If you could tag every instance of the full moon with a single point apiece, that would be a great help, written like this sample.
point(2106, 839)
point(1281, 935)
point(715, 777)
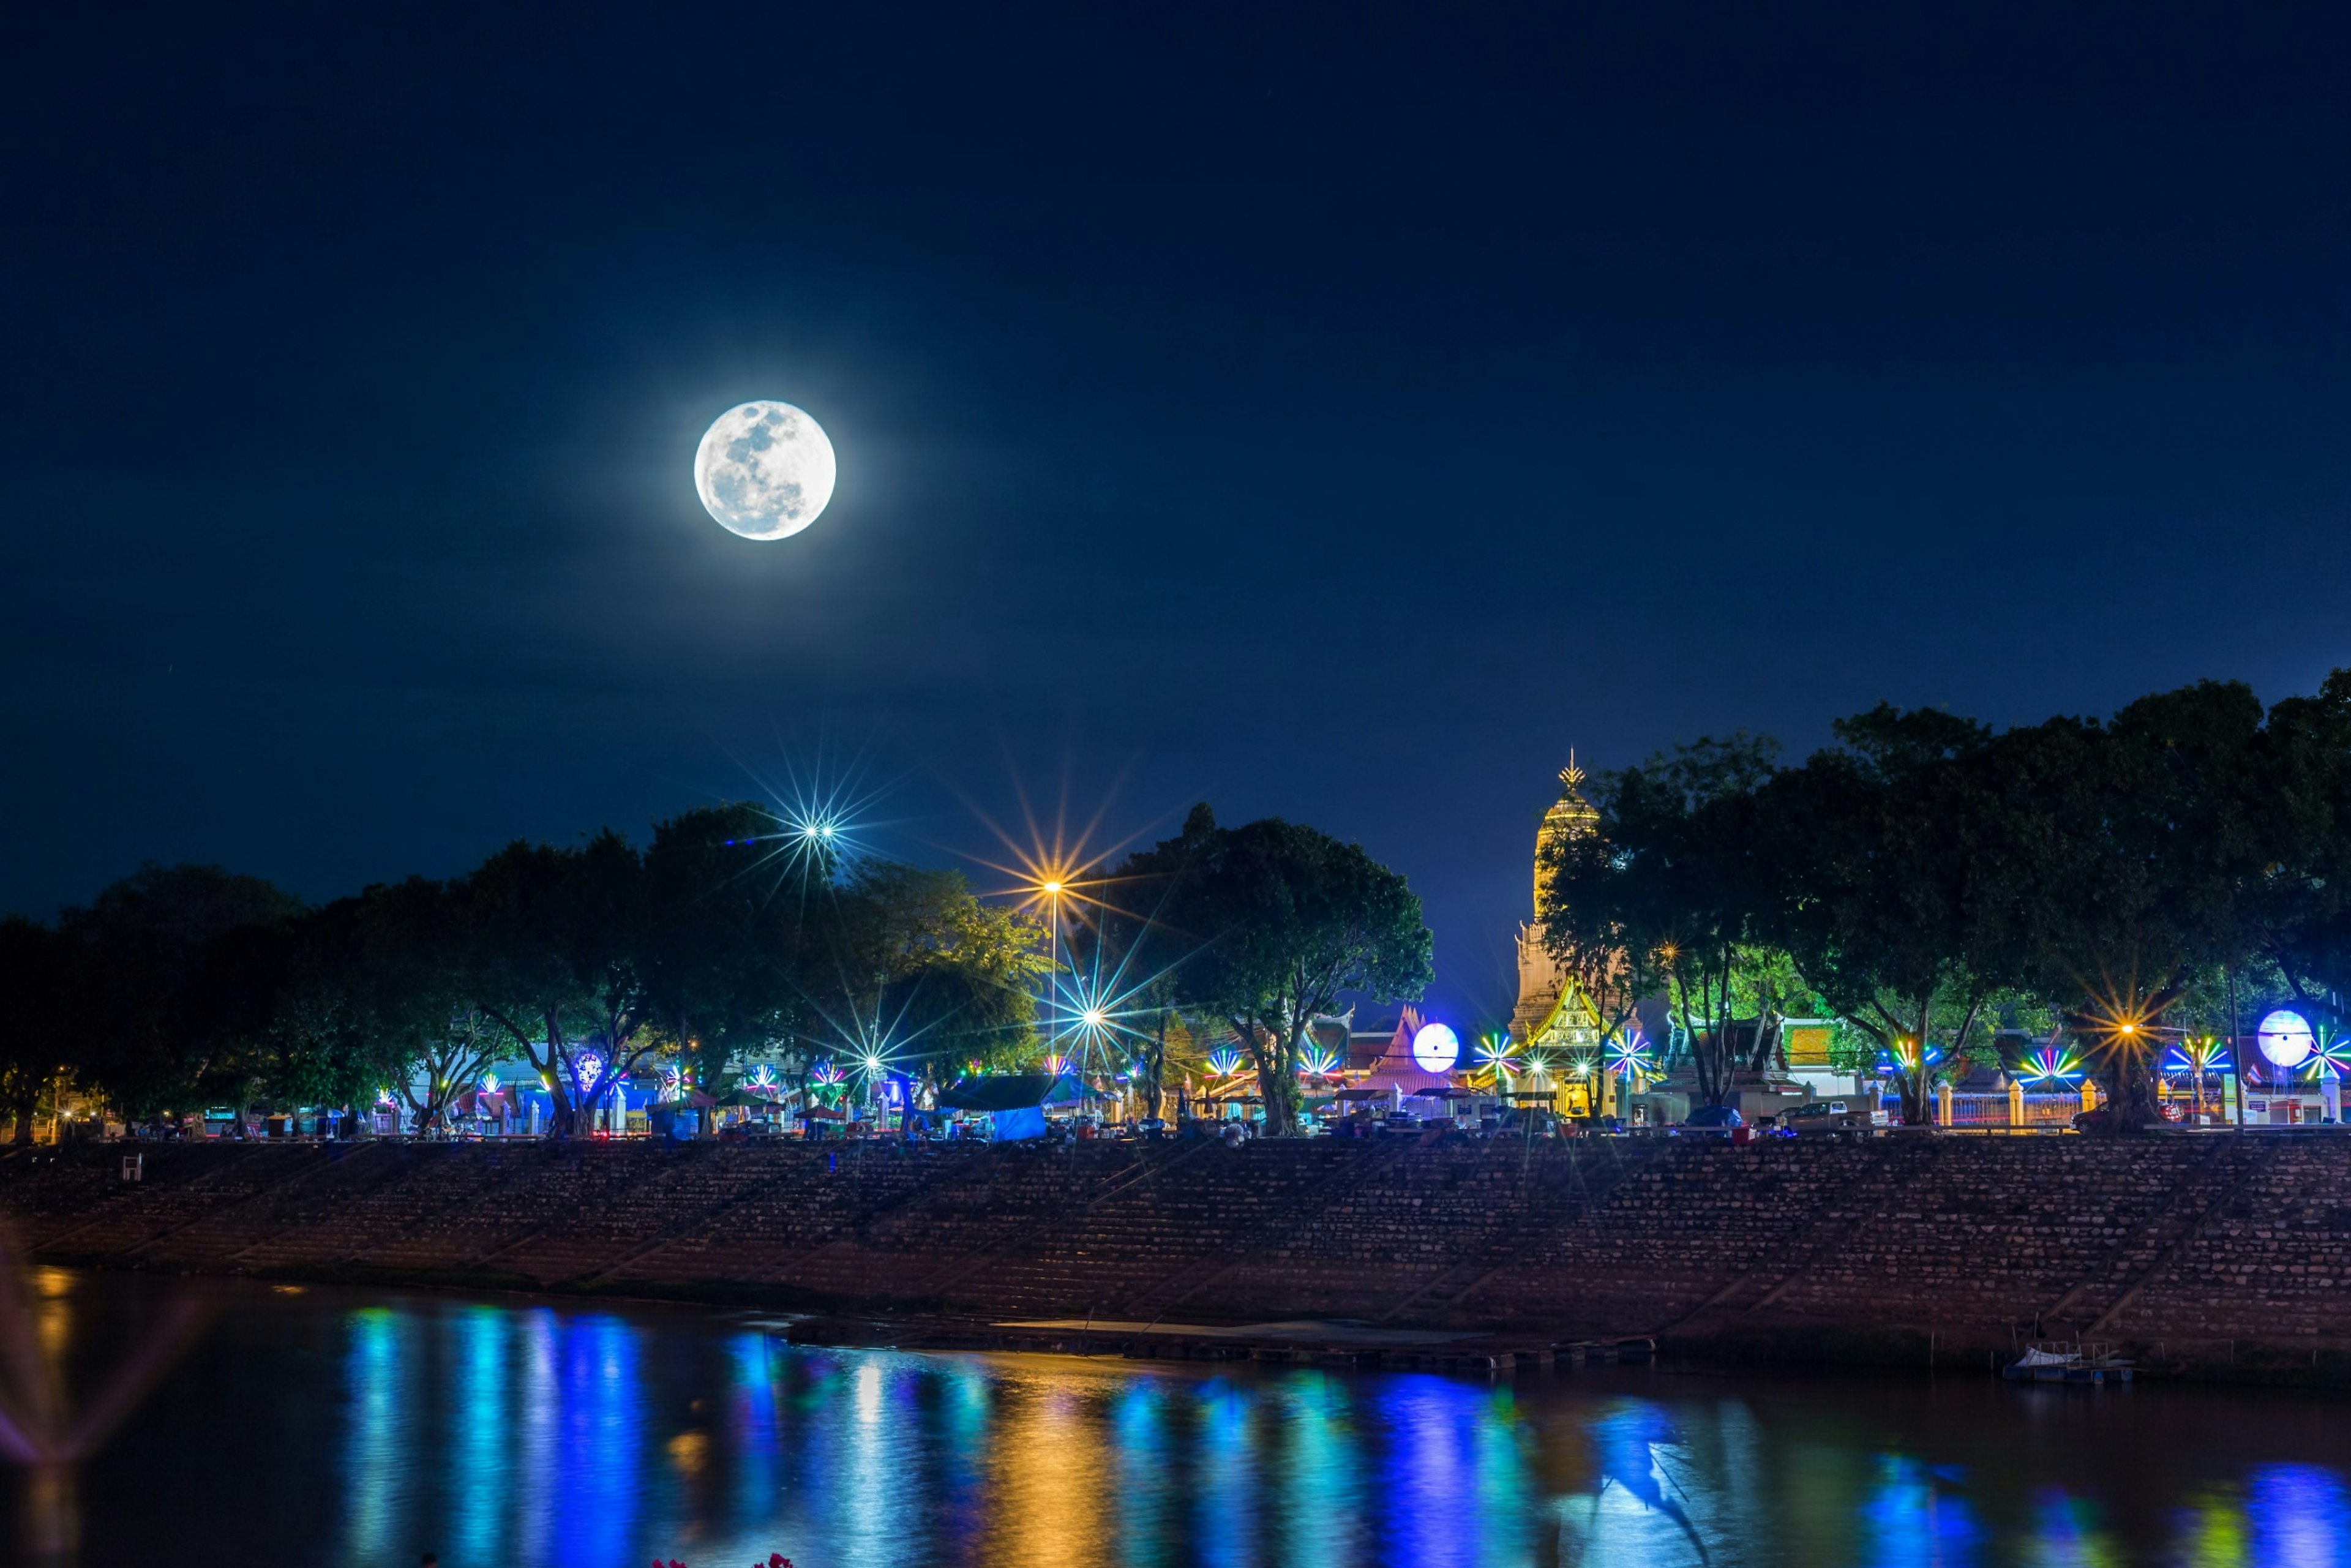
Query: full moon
point(764, 470)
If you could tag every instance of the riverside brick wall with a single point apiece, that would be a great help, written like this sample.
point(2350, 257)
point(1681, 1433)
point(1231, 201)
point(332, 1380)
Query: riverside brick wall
point(2208, 1250)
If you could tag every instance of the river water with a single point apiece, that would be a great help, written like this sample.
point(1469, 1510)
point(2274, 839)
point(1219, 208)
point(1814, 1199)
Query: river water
point(336, 1427)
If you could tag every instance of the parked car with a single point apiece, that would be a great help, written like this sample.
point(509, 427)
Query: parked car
point(1833, 1119)
point(2098, 1121)
point(1711, 1122)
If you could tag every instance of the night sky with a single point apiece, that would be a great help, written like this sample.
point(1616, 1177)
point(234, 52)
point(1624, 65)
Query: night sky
point(1337, 414)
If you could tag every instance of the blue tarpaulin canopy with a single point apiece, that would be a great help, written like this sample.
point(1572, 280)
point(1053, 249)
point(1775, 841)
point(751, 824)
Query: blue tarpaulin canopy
point(1015, 1101)
point(1011, 1092)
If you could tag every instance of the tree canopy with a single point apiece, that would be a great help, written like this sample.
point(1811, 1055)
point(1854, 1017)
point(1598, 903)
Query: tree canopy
point(1284, 920)
point(721, 939)
point(1925, 872)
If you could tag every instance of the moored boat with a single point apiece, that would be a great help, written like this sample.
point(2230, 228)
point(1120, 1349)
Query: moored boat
point(2067, 1361)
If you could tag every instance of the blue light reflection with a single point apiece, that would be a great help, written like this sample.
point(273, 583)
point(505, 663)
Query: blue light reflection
point(538, 1436)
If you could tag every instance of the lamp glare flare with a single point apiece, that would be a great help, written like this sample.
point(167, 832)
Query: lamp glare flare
point(818, 820)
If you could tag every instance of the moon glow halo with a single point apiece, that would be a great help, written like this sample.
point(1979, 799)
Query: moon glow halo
point(765, 470)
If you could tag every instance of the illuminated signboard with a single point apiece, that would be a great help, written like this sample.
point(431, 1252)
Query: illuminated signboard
point(2285, 1038)
point(1435, 1047)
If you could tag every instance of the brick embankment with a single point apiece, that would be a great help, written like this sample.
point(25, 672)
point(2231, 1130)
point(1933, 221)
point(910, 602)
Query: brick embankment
point(2223, 1255)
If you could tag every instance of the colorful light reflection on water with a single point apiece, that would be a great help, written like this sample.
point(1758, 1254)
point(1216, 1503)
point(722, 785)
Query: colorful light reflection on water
point(353, 1429)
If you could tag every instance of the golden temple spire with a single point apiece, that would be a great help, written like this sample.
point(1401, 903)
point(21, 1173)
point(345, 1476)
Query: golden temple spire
point(1570, 815)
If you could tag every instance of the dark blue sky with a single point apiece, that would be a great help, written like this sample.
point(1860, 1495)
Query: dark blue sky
point(1334, 413)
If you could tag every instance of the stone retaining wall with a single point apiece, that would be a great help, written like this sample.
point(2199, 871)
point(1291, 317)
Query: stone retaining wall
point(2212, 1252)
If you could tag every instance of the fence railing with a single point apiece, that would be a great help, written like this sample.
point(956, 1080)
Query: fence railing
point(1999, 1111)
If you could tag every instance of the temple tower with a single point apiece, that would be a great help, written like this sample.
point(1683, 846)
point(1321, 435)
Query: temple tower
point(1536, 1019)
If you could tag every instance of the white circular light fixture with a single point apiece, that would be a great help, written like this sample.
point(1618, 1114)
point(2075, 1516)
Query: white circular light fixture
point(1435, 1047)
point(2285, 1038)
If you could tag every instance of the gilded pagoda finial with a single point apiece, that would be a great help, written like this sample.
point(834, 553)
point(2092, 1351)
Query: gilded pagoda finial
point(1568, 815)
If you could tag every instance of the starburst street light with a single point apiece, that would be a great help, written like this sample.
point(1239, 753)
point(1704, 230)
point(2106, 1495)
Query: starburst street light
point(1109, 1027)
point(1055, 879)
point(2114, 1025)
point(820, 809)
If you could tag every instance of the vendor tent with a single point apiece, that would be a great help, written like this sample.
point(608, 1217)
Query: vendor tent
point(1015, 1101)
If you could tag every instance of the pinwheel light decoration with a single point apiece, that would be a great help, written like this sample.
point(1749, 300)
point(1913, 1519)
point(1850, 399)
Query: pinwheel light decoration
point(1628, 1057)
point(2050, 1065)
point(2197, 1058)
point(1498, 1056)
point(1225, 1062)
point(2331, 1055)
point(1905, 1056)
point(1319, 1061)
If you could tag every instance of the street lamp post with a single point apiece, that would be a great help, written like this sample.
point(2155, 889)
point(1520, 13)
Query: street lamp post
point(1052, 889)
